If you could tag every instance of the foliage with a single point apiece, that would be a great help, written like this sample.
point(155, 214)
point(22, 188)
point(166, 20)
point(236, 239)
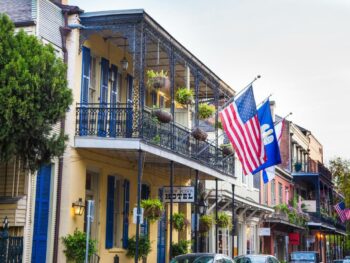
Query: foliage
point(223, 220)
point(156, 139)
point(282, 207)
point(144, 247)
point(205, 110)
point(184, 96)
point(156, 78)
point(181, 248)
point(75, 246)
point(180, 221)
point(205, 223)
point(33, 97)
point(153, 209)
point(294, 216)
point(340, 169)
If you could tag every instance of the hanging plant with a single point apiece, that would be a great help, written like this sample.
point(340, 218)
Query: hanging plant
point(180, 248)
point(180, 221)
point(223, 221)
point(199, 134)
point(184, 96)
point(227, 149)
point(144, 247)
point(205, 111)
point(205, 223)
point(157, 79)
point(162, 115)
point(152, 209)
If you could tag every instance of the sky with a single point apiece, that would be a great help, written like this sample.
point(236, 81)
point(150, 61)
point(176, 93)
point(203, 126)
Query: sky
point(301, 48)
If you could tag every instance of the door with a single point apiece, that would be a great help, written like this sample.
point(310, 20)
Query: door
point(103, 110)
point(161, 239)
point(41, 215)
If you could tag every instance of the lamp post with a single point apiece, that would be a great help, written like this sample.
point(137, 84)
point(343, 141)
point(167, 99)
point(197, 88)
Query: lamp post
point(202, 208)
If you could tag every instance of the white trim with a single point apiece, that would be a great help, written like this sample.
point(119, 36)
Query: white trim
point(137, 144)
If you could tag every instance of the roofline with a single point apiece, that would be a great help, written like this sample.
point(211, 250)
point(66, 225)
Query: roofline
point(163, 31)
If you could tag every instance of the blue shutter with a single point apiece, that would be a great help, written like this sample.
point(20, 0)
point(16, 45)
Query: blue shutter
point(41, 215)
point(161, 242)
point(110, 212)
point(113, 109)
point(130, 108)
point(126, 213)
point(84, 94)
point(103, 112)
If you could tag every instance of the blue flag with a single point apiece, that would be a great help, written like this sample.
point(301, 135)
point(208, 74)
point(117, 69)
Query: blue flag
point(269, 137)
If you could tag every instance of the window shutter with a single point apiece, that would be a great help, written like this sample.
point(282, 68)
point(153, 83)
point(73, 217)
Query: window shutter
point(126, 213)
point(113, 100)
point(110, 212)
point(84, 93)
point(103, 112)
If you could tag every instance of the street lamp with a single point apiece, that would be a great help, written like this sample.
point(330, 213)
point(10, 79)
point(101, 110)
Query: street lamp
point(202, 206)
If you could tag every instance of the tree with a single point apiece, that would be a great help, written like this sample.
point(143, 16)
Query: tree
point(340, 169)
point(34, 96)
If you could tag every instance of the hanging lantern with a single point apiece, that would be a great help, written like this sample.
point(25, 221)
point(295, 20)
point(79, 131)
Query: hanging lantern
point(124, 62)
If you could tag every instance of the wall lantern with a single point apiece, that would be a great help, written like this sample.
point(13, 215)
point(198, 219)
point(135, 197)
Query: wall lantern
point(124, 62)
point(202, 206)
point(78, 207)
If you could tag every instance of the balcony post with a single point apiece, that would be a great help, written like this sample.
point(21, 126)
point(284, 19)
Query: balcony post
point(196, 212)
point(233, 221)
point(139, 178)
point(172, 94)
point(171, 208)
point(196, 90)
point(317, 190)
point(216, 214)
point(143, 41)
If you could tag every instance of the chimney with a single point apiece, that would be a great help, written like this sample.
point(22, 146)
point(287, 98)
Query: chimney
point(62, 2)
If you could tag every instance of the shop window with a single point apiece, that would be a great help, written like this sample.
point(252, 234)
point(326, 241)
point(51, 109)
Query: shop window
point(117, 214)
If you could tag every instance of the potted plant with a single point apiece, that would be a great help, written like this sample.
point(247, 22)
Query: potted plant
point(180, 248)
point(152, 209)
point(180, 221)
point(162, 115)
point(227, 149)
point(199, 134)
point(75, 246)
point(205, 111)
point(184, 96)
point(205, 223)
point(144, 248)
point(223, 220)
point(157, 79)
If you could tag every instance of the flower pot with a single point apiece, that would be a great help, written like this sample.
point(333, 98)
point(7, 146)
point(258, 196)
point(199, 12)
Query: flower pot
point(227, 150)
point(199, 134)
point(204, 228)
point(160, 82)
point(163, 116)
point(152, 213)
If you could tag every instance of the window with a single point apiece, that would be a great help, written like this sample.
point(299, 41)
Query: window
point(273, 192)
point(266, 194)
point(280, 194)
point(117, 212)
point(93, 83)
point(256, 180)
point(244, 178)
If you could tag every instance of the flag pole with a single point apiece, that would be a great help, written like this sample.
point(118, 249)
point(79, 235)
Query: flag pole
point(239, 92)
point(285, 117)
point(263, 101)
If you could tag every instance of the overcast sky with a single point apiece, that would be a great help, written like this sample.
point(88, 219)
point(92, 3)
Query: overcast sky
point(300, 47)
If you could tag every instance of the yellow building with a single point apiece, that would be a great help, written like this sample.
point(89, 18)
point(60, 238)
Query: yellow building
point(118, 146)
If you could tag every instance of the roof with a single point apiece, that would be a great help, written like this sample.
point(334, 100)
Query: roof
point(140, 14)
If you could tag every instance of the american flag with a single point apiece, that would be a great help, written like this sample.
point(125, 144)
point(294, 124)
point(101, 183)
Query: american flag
point(340, 208)
point(241, 124)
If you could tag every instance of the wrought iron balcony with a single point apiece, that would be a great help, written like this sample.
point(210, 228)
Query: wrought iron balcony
point(120, 121)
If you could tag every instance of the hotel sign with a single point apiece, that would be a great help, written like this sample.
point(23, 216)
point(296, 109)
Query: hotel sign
point(181, 194)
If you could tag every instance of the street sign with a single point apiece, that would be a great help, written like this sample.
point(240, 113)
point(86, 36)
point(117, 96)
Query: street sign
point(264, 231)
point(134, 216)
point(181, 194)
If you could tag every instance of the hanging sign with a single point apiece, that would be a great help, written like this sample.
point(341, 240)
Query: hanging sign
point(264, 231)
point(294, 239)
point(309, 205)
point(181, 194)
point(134, 216)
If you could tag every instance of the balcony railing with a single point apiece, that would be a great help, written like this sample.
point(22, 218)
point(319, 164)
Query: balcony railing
point(118, 121)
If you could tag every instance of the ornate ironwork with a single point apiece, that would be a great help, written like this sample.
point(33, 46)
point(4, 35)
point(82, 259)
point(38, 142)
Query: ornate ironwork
point(11, 248)
point(115, 121)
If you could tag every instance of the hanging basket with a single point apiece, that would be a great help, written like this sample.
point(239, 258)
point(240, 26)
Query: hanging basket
point(152, 209)
point(205, 223)
point(199, 134)
point(227, 150)
point(163, 116)
point(160, 82)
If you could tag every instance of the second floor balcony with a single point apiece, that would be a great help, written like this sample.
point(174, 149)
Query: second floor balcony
point(118, 122)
